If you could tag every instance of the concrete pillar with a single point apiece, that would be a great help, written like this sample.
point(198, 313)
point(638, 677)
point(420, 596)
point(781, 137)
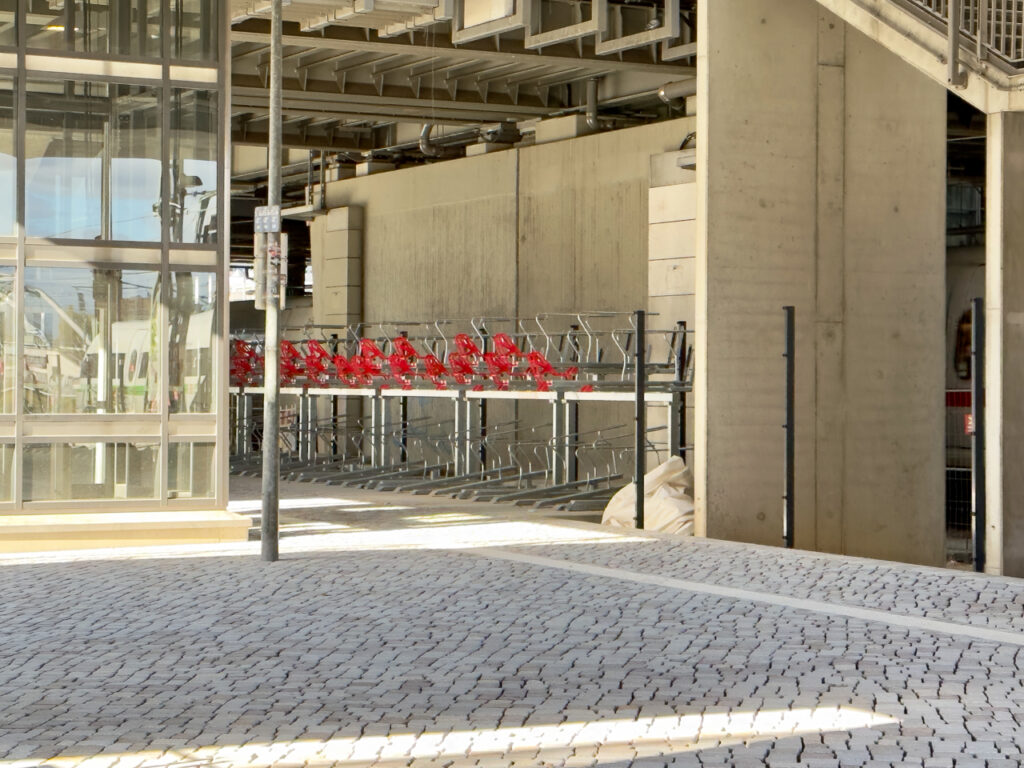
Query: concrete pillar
point(820, 184)
point(1004, 305)
point(336, 251)
point(336, 245)
point(671, 257)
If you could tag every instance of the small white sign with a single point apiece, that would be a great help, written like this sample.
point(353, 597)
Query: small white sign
point(267, 219)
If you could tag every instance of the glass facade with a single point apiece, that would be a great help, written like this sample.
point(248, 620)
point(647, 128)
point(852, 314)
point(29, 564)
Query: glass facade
point(190, 470)
point(94, 174)
point(194, 166)
point(191, 323)
point(194, 26)
point(112, 254)
point(87, 471)
point(8, 163)
point(91, 340)
point(130, 28)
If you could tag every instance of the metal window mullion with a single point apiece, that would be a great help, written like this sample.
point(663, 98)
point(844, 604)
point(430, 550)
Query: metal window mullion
point(221, 342)
point(165, 283)
point(19, 123)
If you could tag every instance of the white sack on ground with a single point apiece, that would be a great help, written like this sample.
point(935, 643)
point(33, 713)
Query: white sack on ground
point(668, 507)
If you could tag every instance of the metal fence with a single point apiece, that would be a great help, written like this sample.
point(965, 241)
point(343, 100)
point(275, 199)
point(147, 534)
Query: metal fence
point(994, 26)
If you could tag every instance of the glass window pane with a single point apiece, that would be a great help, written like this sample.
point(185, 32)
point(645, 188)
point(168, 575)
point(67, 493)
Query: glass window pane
point(194, 166)
point(8, 166)
point(192, 319)
point(8, 348)
point(78, 471)
point(190, 470)
point(92, 162)
point(8, 27)
point(91, 341)
point(7, 472)
point(194, 30)
point(118, 27)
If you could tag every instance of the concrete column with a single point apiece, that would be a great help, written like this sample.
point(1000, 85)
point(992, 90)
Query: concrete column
point(1004, 305)
point(820, 184)
point(336, 251)
point(671, 257)
point(336, 244)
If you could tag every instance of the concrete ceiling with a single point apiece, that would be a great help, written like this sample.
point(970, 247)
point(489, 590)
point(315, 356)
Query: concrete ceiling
point(359, 75)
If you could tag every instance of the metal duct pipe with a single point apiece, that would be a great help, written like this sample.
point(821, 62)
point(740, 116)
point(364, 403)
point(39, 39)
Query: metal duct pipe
point(426, 147)
point(677, 91)
point(592, 99)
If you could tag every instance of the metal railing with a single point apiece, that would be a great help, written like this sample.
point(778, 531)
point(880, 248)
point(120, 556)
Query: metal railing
point(986, 26)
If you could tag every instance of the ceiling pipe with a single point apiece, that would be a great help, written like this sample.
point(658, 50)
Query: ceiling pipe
point(426, 146)
point(592, 100)
point(673, 93)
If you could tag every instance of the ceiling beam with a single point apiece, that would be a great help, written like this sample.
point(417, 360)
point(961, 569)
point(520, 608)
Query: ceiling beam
point(350, 39)
point(320, 94)
point(297, 141)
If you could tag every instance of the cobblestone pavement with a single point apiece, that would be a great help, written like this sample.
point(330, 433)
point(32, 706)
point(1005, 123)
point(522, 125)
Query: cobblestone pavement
point(414, 634)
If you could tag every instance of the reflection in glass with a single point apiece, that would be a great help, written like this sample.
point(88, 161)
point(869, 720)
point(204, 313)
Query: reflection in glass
point(190, 471)
point(92, 167)
point(118, 27)
point(194, 166)
point(8, 166)
point(91, 344)
point(8, 25)
point(8, 338)
point(78, 471)
point(192, 319)
point(194, 25)
point(7, 472)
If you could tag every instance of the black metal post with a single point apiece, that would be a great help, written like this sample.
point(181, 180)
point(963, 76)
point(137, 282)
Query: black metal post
point(640, 363)
point(978, 438)
point(335, 411)
point(680, 449)
point(790, 427)
point(481, 406)
point(403, 415)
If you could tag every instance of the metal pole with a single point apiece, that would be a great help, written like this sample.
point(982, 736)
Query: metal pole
point(955, 76)
point(481, 411)
point(790, 427)
point(680, 361)
point(983, 30)
point(640, 363)
point(978, 438)
point(269, 528)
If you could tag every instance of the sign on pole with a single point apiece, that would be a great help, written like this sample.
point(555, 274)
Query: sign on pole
point(267, 219)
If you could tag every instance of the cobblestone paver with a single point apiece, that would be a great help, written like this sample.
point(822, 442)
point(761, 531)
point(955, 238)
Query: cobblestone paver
point(355, 653)
point(950, 595)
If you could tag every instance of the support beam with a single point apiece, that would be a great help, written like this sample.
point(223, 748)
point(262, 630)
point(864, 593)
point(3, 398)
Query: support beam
point(1004, 347)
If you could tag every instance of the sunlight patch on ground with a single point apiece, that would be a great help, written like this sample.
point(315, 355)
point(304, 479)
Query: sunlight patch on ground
point(496, 533)
point(241, 506)
point(649, 736)
point(445, 517)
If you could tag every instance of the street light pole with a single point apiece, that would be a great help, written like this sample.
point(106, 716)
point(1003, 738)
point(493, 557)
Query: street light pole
point(269, 531)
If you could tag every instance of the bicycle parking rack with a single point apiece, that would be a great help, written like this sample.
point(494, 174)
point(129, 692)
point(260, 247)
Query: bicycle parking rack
point(456, 372)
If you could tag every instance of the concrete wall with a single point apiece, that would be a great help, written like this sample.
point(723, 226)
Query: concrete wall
point(821, 185)
point(550, 228)
point(438, 240)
